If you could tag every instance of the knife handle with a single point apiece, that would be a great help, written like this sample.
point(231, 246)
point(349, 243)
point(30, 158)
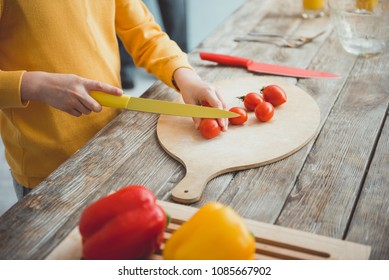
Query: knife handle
point(109, 100)
point(225, 59)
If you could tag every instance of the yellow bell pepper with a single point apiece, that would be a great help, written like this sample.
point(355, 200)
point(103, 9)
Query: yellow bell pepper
point(214, 232)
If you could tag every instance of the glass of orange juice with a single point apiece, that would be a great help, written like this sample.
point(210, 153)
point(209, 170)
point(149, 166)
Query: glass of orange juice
point(313, 8)
point(366, 4)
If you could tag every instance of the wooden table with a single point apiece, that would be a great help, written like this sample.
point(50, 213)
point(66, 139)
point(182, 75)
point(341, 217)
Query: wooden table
point(336, 186)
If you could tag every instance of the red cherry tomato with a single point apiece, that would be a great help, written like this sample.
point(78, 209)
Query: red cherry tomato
point(264, 111)
point(209, 128)
point(241, 119)
point(251, 100)
point(274, 94)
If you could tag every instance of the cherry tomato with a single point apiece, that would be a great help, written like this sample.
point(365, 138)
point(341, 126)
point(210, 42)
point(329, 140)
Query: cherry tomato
point(264, 111)
point(274, 94)
point(205, 104)
point(209, 128)
point(251, 100)
point(241, 119)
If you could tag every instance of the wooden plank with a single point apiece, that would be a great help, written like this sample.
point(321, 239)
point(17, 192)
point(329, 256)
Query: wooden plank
point(280, 17)
point(261, 193)
point(223, 37)
point(86, 176)
point(272, 242)
point(370, 221)
point(113, 158)
point(328, 187)
point(127, 150)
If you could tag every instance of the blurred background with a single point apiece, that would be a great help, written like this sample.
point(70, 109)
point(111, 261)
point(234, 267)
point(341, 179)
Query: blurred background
point(202, 17)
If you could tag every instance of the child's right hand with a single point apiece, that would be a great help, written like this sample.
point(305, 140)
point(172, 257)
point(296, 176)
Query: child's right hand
point(66, 92)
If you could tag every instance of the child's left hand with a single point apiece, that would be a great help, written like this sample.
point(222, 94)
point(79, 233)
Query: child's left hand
point(196, 91)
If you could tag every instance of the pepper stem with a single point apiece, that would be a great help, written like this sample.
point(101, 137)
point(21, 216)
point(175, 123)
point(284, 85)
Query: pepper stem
point(168, 219)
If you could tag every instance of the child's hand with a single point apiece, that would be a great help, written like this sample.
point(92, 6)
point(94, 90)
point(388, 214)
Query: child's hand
point(195, 91)
point(68, 93)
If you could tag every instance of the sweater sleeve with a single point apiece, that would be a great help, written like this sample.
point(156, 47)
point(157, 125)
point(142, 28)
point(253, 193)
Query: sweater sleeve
point(10, 89)
point(149, 46)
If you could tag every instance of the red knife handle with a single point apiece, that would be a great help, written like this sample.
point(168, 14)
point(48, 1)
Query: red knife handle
point(225, 59)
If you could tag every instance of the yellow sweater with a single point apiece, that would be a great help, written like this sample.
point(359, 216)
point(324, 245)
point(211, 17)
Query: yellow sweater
point(77, 37)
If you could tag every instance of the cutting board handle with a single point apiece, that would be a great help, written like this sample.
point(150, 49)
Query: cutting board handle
point(190, 188)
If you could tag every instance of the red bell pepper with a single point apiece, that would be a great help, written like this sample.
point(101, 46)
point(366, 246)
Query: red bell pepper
point(127, 224)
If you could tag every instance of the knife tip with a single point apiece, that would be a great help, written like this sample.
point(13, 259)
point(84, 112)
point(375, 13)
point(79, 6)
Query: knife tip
point(335, 76)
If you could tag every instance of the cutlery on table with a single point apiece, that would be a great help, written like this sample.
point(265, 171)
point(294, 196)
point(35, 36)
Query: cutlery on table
point(283, 41)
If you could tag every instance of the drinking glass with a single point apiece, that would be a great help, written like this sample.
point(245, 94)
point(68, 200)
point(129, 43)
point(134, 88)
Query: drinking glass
point(362, 26)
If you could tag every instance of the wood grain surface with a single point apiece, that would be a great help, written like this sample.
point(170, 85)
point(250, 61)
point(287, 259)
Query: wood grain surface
point(271, 242)
point(335, 186)
point(242, 146)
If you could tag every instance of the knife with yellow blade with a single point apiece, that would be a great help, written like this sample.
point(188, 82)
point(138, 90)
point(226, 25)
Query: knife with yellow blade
point(159, 106)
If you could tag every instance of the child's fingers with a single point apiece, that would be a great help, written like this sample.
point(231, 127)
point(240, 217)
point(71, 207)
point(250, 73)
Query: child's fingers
point(92, 85)
point(196, 122)
point(223, 123)
point(217, 101)
point(91, 105)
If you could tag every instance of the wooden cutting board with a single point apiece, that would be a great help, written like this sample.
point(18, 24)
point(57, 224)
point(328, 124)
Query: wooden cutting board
point(251, 145)
point(271, 241)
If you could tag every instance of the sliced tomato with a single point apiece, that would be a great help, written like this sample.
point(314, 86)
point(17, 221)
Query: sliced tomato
point(241, 119)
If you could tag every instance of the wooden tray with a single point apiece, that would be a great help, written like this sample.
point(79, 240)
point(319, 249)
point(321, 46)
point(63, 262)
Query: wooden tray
point(272, 242)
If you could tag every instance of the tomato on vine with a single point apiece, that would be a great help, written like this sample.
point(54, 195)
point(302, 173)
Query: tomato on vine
point(274, 94)
point(251, 100)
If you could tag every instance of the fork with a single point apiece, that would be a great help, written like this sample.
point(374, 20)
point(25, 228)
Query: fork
point(285, 41)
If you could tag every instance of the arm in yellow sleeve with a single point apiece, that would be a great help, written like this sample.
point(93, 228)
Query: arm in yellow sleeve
point(150, 47)
point(10, 82)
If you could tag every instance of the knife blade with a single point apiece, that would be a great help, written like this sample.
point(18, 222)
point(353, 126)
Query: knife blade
point(159, 106)
point(265, 68)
